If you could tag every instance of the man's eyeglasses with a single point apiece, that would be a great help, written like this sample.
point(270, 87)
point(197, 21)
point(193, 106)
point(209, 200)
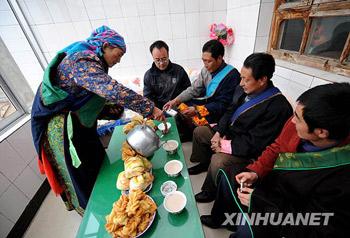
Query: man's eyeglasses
point(163, 60)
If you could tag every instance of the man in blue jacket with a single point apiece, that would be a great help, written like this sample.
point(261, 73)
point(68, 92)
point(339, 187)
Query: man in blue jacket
point(213, 88)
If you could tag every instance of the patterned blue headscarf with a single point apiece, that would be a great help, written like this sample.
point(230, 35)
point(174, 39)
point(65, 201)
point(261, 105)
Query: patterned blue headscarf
point(101, 35)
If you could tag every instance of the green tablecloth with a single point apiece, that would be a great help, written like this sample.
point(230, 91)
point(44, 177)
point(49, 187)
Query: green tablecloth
point(105, 193)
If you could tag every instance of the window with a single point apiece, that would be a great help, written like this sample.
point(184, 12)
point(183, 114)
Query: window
point(313, 33)
point(10, 109)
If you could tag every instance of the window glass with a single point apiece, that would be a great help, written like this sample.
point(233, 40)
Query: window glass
point(291, 34)
point(6, 106)
point(328, 36)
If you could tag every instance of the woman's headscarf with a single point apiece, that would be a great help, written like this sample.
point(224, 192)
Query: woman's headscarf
point(101, 35)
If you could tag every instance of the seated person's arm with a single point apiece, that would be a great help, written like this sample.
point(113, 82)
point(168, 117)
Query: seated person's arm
point(266, 129)
point(224, 96)
point(197, 89)
point(224, 121)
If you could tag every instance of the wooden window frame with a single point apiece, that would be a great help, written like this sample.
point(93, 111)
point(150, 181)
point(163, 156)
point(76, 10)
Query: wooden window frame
point(306, 10)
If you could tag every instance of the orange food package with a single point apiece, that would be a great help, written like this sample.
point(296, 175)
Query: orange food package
point(202, 110)
point(200, 121)
point(182, 107)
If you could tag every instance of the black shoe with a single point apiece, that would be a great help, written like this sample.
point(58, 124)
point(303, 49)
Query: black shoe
point(209, 221)
point(197, 169)
point(205, 196)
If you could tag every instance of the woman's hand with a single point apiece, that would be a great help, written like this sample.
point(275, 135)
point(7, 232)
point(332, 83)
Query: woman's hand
point(248, 178)
point(157, 114)
point(244, 195)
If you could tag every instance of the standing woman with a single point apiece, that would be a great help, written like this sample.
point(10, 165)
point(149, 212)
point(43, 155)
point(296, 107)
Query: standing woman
point(75, 92)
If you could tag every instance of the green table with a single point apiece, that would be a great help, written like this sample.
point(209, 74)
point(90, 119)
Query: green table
point(105, 193)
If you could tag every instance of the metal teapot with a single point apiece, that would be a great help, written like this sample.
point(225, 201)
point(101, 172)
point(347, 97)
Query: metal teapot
point(144, 140)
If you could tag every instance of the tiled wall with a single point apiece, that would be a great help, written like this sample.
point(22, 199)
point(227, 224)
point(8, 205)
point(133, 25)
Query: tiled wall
point(242, 16)
point(19, 176)
point(184, 25)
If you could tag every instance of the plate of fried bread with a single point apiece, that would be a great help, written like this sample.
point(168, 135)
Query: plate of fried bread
point(132, 215)
point(137, 174)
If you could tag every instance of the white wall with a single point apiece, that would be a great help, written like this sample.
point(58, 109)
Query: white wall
point(184, 25)
point(242, 16)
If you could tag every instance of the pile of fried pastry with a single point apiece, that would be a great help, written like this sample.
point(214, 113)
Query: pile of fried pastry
point(130, 215)
point(138, 120)
point(137, 169)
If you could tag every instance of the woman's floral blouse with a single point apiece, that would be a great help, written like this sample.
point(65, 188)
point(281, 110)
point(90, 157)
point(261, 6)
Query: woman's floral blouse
point(85, 72)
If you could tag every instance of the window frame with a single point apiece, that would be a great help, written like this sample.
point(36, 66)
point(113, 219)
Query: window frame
point(6, 122)
point(306, 10)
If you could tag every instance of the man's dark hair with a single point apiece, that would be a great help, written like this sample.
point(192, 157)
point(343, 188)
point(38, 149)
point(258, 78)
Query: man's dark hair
point(215, 47)
point(327, 107)
point(261, 64)
point(159, 44)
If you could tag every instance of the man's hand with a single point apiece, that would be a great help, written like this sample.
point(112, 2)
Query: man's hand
point(170, 104)
point(189, 112)
point(248, 178)
point(215, 142)
point(158, 115)
point(244, 196)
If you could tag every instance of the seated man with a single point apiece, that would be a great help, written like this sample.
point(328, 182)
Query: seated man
point(310, 163)
point(213, 89)
point(164, 80)
point(255, 119)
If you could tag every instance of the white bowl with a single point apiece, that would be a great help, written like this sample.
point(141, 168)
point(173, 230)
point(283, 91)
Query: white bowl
point(168, 187)
point(173, 168)
point(175, 202)
point(170, 146)
point(161, 126)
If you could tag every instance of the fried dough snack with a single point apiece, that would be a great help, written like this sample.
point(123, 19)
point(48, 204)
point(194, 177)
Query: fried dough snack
point(141, 181)
point(130, 215)
point(134, 167)
point(127, 151)
point(138, 120)
point(122, 181)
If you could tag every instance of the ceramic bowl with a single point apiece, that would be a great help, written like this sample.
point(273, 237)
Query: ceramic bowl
point(175, 202)
point(161, 126)
point(173, 168)
point(168, 187)
point(171, 146)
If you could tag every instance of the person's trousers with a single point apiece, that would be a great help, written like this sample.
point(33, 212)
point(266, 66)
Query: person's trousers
point(185, 127)
point(226, 204)
point(221, 161)
point(201, 152)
